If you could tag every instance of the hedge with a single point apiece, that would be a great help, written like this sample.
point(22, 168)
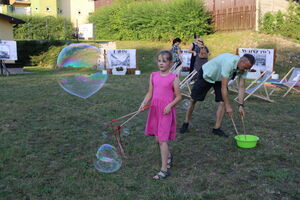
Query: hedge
point(151, 20)
point(43, 28)
point(41, 53)
point(35, 52)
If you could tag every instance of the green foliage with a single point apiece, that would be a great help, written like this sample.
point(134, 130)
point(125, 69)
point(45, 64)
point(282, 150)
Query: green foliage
point(44, 28)
point(291, 26)
point(41, 52)
point(34, 52)
point(287, 25)
point(151, 20)
point(48, 58)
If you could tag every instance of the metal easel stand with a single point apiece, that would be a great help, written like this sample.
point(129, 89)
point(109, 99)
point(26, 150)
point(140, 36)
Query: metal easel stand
point(4, 70)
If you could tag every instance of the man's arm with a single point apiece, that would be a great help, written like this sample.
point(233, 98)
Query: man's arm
point(224, 91)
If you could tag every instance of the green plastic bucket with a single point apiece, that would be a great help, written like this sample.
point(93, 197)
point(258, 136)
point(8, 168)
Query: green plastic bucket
point(246, 141)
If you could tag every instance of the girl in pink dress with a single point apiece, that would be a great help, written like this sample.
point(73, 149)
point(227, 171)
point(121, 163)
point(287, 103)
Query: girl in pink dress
point(164, 94)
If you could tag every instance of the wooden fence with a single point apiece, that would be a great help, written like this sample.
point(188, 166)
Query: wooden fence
point(237, 18)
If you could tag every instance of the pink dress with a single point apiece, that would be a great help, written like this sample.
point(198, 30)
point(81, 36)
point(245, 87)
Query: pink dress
point(158, 124)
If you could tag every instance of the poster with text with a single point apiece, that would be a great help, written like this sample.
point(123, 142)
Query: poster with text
point(264, 58)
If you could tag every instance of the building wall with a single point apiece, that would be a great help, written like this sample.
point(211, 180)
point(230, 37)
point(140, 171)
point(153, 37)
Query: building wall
point(22, 10)
point(272, 5)
point(5, 9)
point(44, 7)
point(6, 32)
point(80, 11)
point(64, 8)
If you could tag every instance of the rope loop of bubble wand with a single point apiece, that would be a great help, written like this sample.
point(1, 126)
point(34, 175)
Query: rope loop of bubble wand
point(117, 129)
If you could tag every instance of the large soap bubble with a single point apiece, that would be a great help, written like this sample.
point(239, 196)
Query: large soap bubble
point(77, 70)
point(108, 160)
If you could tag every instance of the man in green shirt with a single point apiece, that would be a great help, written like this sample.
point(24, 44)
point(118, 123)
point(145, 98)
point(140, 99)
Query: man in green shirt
point(216, 73)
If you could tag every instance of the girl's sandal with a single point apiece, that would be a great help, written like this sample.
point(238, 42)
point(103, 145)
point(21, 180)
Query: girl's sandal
point(170, 161)
point(161, 175)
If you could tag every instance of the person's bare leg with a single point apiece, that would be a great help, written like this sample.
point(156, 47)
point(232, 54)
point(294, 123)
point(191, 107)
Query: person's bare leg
point(164, 152)
point(220, 115)
point(190, 111)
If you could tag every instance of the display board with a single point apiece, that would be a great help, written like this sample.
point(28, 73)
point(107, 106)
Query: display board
point(264, 58)
point(8, 50)
point(121, 58)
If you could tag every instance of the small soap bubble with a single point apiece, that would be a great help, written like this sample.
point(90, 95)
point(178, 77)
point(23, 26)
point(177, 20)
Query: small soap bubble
point(125, 131)
point(108, 159)
point(185, 104)
point(104, 134)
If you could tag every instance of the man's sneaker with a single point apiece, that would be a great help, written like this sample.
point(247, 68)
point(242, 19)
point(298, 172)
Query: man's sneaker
point(219, 132)
point(184, 127)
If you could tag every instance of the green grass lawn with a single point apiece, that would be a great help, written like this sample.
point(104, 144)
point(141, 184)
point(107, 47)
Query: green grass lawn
point(49, 139)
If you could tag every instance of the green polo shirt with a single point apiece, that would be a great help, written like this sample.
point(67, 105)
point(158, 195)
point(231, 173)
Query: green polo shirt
point(223, 65)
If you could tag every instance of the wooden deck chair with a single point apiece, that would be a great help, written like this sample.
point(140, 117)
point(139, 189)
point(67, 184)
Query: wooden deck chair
point(290, 83)
point(176, 70)
point(232, 86)
point(3, 69)
point(256, 84)
point(185, 83)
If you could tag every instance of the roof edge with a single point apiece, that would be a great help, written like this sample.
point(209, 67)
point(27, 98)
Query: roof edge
point(11, 19)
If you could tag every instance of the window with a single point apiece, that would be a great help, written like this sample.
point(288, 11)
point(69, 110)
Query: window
point(48, 9)
point(59, 11)
point(11, 9)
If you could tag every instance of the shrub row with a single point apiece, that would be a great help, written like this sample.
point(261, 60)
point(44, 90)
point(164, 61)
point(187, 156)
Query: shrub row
point(38, 52)
point(287, 24)
point(151, 20)
point(43, 28)
point(41, 53)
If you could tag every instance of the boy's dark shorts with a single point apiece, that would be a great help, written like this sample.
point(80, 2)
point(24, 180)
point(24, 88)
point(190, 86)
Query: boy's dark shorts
point(201, 87)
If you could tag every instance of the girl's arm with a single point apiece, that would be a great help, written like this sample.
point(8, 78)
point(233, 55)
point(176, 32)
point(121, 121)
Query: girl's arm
point(148, 95)
point(177, 96)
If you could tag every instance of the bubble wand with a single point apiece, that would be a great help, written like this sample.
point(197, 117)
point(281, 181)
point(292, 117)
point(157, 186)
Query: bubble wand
point(117, 129)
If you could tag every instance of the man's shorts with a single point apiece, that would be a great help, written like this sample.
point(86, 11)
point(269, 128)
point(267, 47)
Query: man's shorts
point(201, 87)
